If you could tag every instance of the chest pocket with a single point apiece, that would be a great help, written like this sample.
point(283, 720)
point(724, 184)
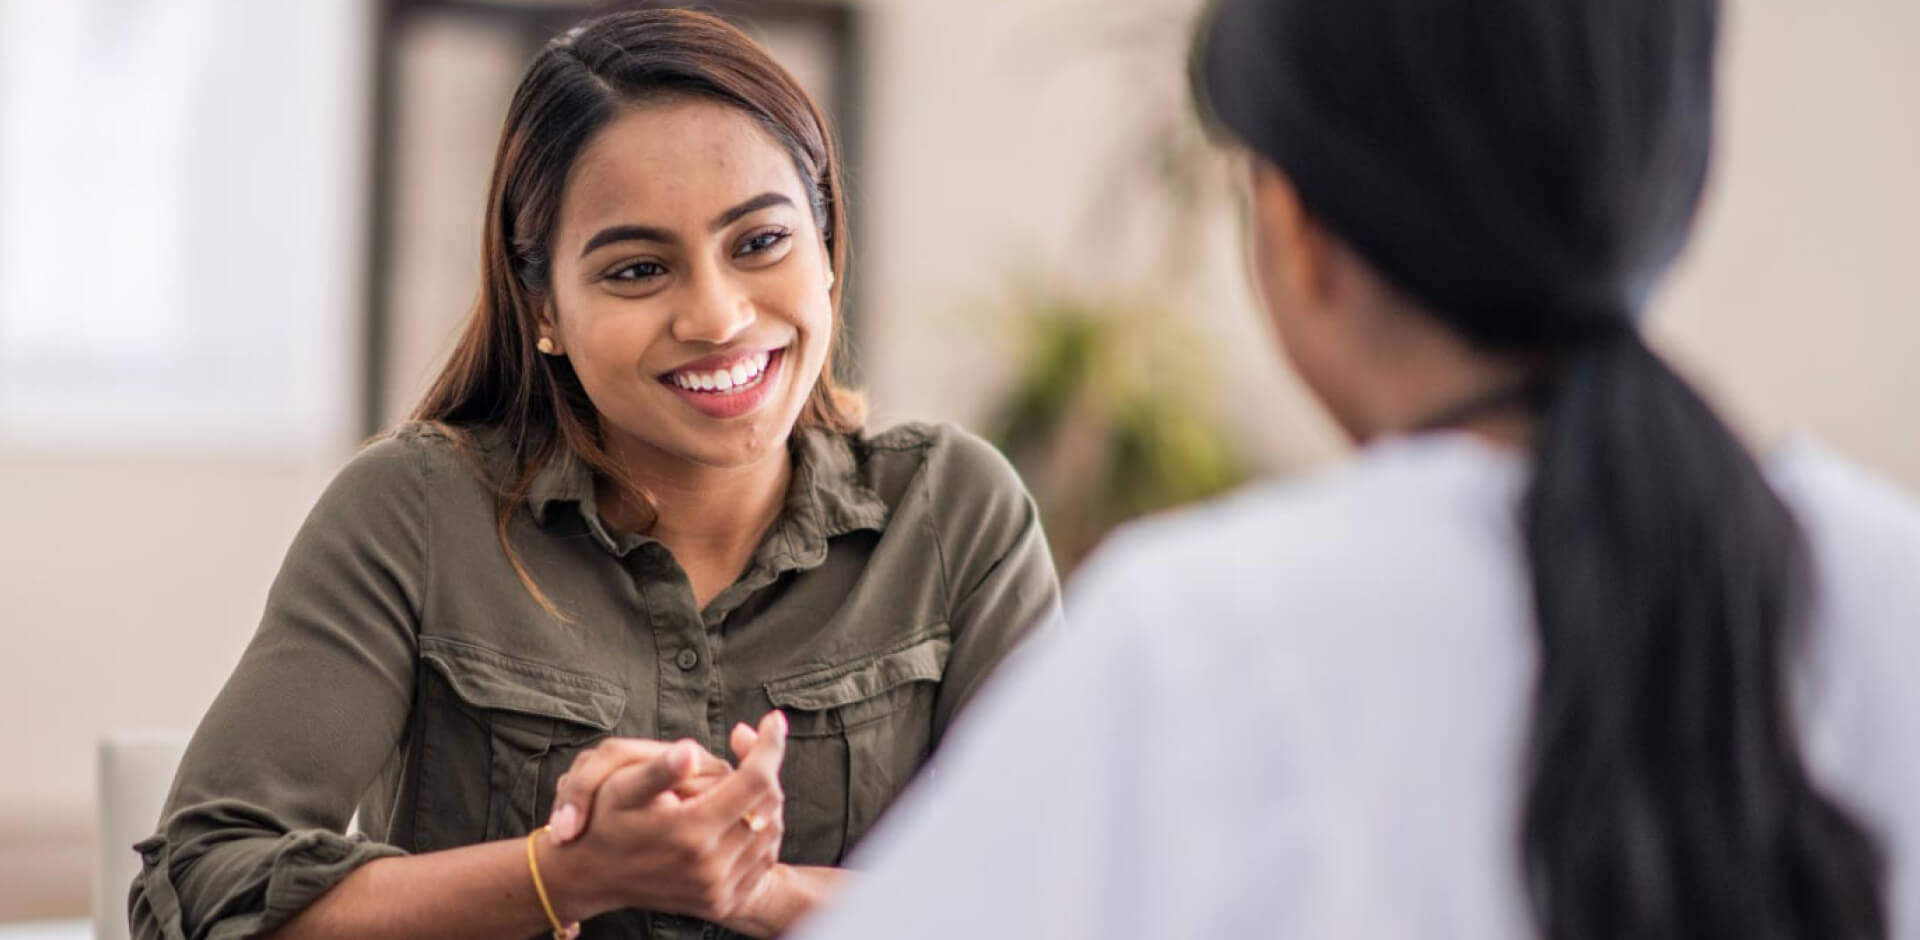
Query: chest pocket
point(503, 731)
point(857, 733)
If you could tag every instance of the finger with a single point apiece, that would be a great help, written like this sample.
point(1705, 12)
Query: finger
point(636, 785)
point(574, 794)
point(756, 780)
point(739, 839)
point(754, 865)
point(768, 813)
point(742, 740)
point(754, 857)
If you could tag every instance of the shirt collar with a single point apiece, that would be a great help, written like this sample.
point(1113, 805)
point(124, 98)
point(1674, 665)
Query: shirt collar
point(565, 479)
point(826, 497)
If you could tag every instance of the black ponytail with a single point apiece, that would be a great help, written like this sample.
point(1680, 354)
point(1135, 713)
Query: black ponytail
point(1667, 794)
point(1527, 171)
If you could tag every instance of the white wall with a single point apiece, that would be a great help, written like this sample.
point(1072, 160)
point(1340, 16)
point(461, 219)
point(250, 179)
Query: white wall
point(138, 533)
point(132, 582)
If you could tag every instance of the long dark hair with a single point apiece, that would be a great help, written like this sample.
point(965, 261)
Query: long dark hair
point(578, 83)
point(1527, 170)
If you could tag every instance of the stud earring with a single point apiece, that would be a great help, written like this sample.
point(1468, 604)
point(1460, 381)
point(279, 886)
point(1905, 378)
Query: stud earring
point(829, 279)
point(545, 345)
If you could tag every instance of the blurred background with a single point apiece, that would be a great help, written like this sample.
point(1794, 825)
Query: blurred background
point(236, 237)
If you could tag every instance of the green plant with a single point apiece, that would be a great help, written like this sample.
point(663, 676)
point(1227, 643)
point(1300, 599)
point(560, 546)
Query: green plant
point(1102, 422)
point(1109, 414)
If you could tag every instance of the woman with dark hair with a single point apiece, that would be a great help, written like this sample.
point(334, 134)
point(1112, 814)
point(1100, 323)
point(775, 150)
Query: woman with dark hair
point(636, 508)
point(1552, 656)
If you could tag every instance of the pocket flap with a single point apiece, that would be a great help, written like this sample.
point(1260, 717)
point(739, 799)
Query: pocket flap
point(923, 660)
point(484, 678)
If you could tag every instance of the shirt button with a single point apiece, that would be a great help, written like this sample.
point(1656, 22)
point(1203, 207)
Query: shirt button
point(688, 658)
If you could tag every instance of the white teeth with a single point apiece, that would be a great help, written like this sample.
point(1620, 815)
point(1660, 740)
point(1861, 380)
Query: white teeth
point(742, 374)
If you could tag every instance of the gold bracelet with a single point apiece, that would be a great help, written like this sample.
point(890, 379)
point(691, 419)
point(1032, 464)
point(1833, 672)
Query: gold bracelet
point(560, 931)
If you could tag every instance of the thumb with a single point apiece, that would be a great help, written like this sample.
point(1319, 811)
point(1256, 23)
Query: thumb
point(742, 740)
point(639, 784)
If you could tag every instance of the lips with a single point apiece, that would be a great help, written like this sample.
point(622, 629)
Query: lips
point(722, 387)
point(720, 374)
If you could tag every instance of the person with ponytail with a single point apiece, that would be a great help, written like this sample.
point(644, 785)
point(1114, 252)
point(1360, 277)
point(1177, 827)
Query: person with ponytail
point(636, 531)
point(1553, 655)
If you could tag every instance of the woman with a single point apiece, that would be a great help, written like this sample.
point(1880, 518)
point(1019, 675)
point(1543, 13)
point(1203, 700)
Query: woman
point(634, 508)
point(1552, 656)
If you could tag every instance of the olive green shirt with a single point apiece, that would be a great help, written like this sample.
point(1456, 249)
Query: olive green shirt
point(403, 670)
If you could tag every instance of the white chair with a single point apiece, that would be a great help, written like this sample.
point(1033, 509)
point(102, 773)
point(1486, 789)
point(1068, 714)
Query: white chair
point(136, 769)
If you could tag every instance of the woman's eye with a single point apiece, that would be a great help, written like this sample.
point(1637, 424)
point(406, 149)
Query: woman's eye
point(637, 271)
point(763, 241)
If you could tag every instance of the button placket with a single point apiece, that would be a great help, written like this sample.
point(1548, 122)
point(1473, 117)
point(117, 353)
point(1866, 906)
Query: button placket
point(685, 663)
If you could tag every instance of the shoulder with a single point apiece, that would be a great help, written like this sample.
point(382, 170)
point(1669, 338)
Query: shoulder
point(1398, 505)
point(1864, 535)
point(1860, 692)
point(408, 455)
point(1846, 509)
point(405, 470)
point(1436, 519)
point(943, 466)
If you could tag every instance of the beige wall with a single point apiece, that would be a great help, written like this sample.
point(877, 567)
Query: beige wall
point(1800, 302)
point(133, 573)
point(132, 583)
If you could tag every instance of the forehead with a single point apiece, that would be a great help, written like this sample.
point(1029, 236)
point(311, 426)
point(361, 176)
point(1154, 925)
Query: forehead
point(675, 162)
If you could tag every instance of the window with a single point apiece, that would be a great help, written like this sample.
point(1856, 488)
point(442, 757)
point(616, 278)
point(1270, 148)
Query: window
point(180, 190)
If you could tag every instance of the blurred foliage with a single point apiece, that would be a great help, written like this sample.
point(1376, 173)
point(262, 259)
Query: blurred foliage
point(1103, 419)
point(1109, 415)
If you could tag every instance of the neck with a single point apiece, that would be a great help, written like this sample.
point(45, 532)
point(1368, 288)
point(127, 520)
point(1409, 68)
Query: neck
point(702, 513)
point(1414, 374)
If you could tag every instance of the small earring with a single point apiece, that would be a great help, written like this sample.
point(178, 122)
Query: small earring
point(829, 279)
point(545, 345)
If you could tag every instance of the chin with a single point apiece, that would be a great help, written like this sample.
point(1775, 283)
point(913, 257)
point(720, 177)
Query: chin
point(736, 446)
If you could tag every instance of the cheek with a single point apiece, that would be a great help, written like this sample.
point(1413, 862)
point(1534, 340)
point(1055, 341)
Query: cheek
point(816, 323)
point(806, 307)
point(607, 338)
point(1263, 272)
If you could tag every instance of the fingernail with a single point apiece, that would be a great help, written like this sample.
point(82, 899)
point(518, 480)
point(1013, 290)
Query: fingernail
point(780, 722)
point(566, 823)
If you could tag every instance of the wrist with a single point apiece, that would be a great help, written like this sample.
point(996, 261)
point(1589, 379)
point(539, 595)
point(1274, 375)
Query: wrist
point(789, 893)
point(569, 880)
point(771, 908)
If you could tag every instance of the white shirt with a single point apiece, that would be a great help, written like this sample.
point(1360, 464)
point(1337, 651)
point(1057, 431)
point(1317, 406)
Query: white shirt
point(1301, 712)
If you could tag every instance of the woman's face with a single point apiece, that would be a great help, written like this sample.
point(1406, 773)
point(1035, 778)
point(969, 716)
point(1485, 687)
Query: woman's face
point(690, 285)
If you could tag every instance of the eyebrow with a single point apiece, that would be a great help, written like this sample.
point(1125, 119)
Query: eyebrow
point(648, 233)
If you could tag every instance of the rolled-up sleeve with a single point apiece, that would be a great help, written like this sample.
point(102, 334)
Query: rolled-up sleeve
point(253, 829)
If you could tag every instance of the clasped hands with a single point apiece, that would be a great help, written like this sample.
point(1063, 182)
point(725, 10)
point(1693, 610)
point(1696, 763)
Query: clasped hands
point(670, 827)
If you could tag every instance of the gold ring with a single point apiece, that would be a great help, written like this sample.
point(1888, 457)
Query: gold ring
point(754, 822)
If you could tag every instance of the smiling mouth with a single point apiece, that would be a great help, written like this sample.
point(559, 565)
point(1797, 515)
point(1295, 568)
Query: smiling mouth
point(743, 374)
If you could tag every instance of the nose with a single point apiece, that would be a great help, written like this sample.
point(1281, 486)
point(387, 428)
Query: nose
point(714, 312)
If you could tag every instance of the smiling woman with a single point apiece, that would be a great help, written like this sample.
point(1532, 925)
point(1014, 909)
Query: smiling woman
point(634, 509)
point(693, 296)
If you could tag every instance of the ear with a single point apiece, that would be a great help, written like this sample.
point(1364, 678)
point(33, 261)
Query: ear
point(547, 332)
point(1294, 251)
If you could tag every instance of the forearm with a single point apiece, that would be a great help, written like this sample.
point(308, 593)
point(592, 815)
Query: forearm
point(794, 893)
point(478, 891)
